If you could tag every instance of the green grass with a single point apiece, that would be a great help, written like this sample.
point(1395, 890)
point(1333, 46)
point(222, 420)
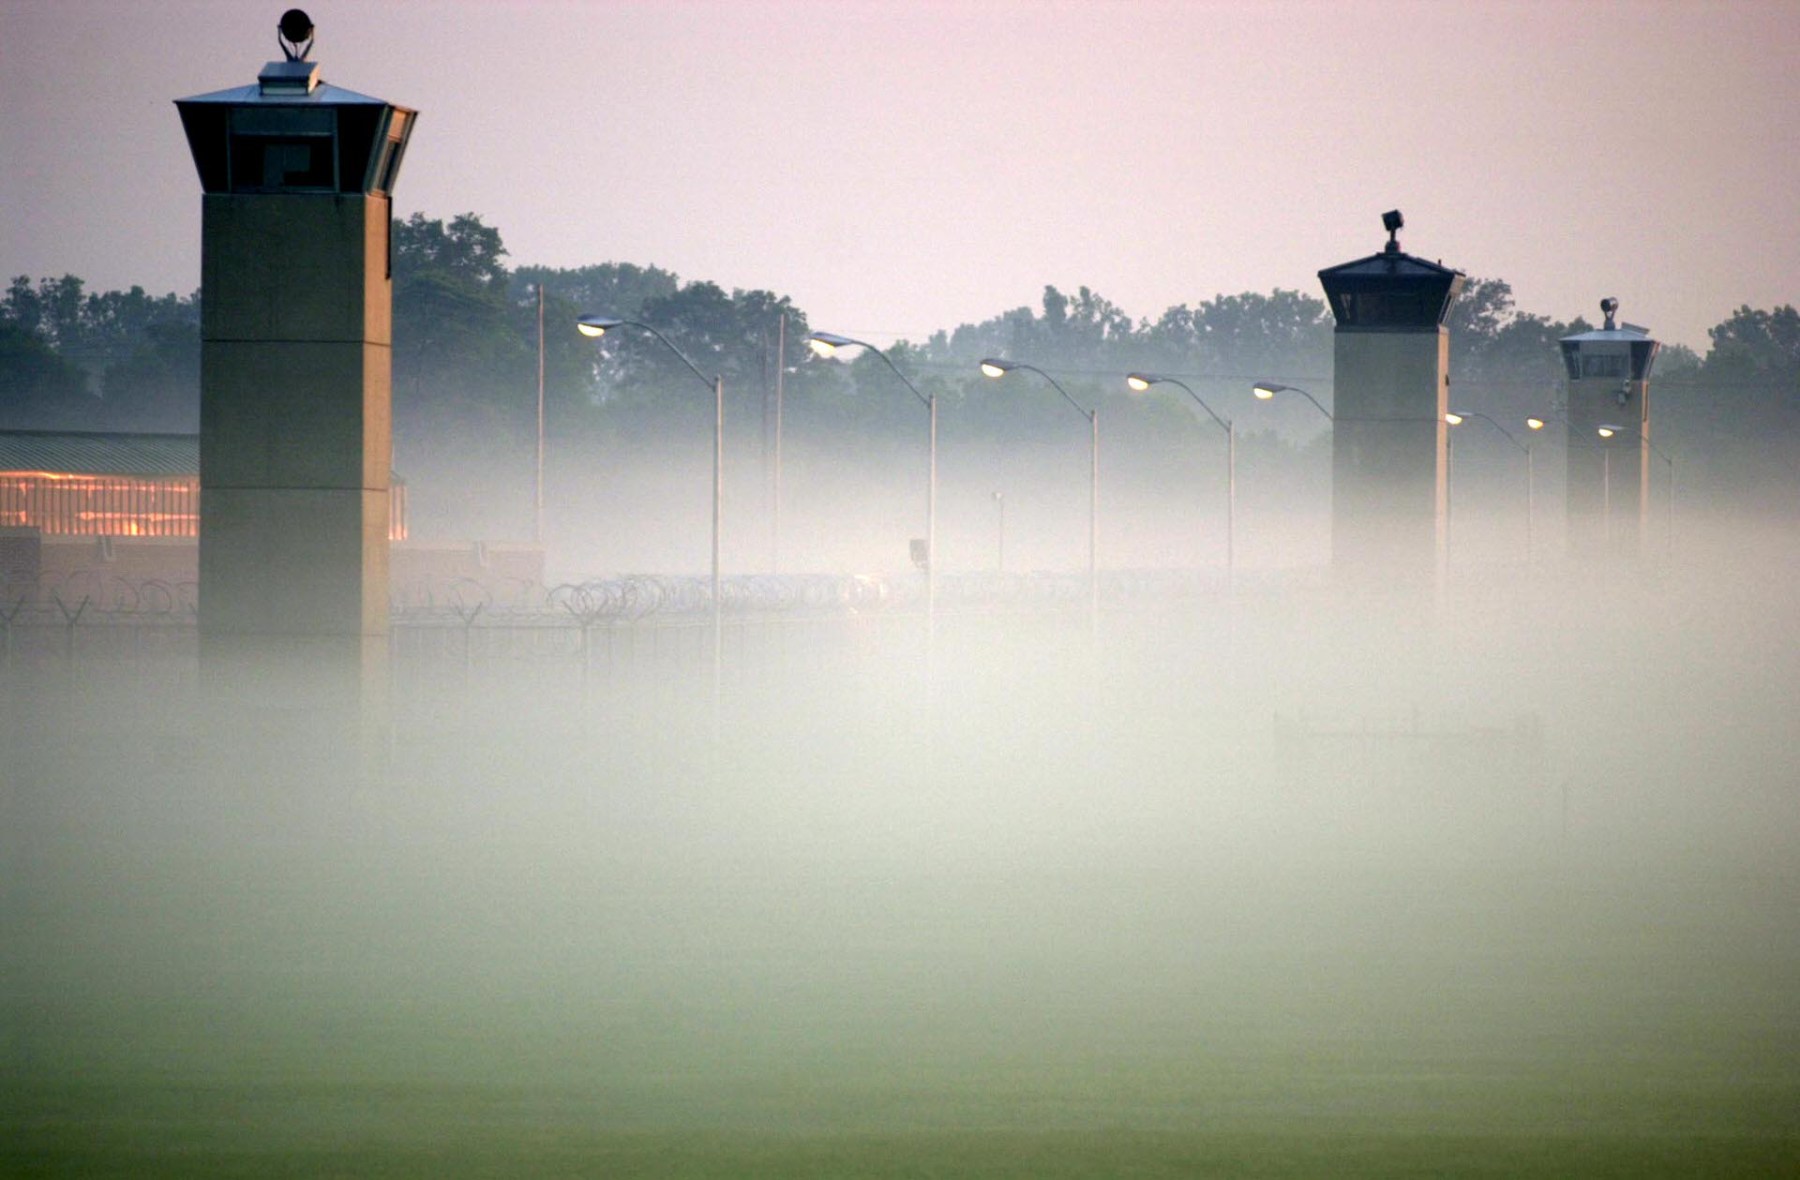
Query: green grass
point(406, 1132)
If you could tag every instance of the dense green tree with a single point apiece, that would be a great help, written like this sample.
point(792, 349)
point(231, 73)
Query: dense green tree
point(1250, 335)
point(156, 387)
point(1082, 332)
point(39, 390)
point(1757, 347)
point(611, 288)
point(1734, 418)
point(730, 335)
point(456, 342)
point(123, 360)
point(464, 247)
point(465, 363)
point(1504, 363)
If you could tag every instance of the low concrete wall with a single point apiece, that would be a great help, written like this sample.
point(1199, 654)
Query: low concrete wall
point(34, 566)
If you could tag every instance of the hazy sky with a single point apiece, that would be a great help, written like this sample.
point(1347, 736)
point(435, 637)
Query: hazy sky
point(901, 167)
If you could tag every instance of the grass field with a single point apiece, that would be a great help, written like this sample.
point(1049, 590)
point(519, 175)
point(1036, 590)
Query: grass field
point(559, 936)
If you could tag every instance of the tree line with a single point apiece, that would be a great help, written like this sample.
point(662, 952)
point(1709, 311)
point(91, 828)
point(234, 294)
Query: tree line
point(466, 354)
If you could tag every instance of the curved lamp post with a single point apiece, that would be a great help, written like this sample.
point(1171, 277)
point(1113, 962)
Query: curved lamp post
point(1457, 418)
point(827, 343)
point(599, 325)
point(1266, 390)
point(1608, 431)
point(1143, 381)
point(993, 367)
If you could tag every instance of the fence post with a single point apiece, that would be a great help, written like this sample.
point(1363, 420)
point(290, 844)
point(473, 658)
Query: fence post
point(6, 621)
point(468, 621)
point(69, 622)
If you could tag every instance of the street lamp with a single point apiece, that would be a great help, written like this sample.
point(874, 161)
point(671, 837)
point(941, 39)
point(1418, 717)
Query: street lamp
point(1266, 390)
point(993, 367)
point(595, 326)
point(1457, 418)
point(1143, 381)
point(1607, 431)
point(827, 343)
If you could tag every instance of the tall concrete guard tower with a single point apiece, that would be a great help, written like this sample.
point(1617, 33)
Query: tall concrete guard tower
point(1391, 382)
point(295, 363)
point(1609, 477)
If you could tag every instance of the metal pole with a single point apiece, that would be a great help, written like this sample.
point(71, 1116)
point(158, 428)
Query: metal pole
point(537, 517)
point(1530, 482)
point(1449, 468)
point(780, 379)
point(1230, 506)
point(931, 554)
point(1671, 508)
point(1094, 515)
point(718, 506)
point(1606, 497)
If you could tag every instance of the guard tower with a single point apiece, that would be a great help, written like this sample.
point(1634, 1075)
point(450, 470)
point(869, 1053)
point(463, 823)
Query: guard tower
point(1609, 475)
point(1391, 382)
point(295, 362)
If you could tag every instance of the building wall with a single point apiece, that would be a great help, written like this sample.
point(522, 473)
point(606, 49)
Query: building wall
point(34, 566)
point(295, 425)
point(1608, 481)
point(1390, 391)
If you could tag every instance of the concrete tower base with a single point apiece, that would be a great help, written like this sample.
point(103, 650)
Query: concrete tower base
point(1388, 452)
point(295, 440)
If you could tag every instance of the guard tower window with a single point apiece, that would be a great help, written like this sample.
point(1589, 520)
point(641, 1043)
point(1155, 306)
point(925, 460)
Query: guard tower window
point(1603, 364)
point(283, 150)
point(398, 127)
point(1382, 308)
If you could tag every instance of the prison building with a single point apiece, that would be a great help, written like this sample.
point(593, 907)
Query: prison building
point(126, 503)
point(84, 484)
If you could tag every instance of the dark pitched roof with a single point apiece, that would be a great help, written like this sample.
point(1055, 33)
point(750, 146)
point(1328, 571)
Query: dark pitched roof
point(95, 453)
point(1389, 265)
point(322, 95)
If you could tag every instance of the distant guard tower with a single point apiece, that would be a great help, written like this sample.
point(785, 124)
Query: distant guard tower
point(1391, 382)
point(296, 306)
point(1609, 477)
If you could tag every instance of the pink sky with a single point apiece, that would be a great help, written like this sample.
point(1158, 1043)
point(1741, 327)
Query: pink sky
point(901, 167)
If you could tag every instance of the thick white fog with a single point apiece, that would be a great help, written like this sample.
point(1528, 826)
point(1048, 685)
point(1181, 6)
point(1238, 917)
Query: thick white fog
point(1301, 875)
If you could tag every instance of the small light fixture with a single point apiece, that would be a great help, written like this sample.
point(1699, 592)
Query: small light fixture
point(1138, 381)
point(997, 368)
point(827, 343)
point(1264, 390)
point(294, 27)
point(1607, 431)
point(1453, 418)
point(596, 325)
point(1534, 423)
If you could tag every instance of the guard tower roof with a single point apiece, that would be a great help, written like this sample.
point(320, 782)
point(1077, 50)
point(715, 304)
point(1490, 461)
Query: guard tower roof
point(290, 132)
point(1614, 350)
point(1391, 290)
